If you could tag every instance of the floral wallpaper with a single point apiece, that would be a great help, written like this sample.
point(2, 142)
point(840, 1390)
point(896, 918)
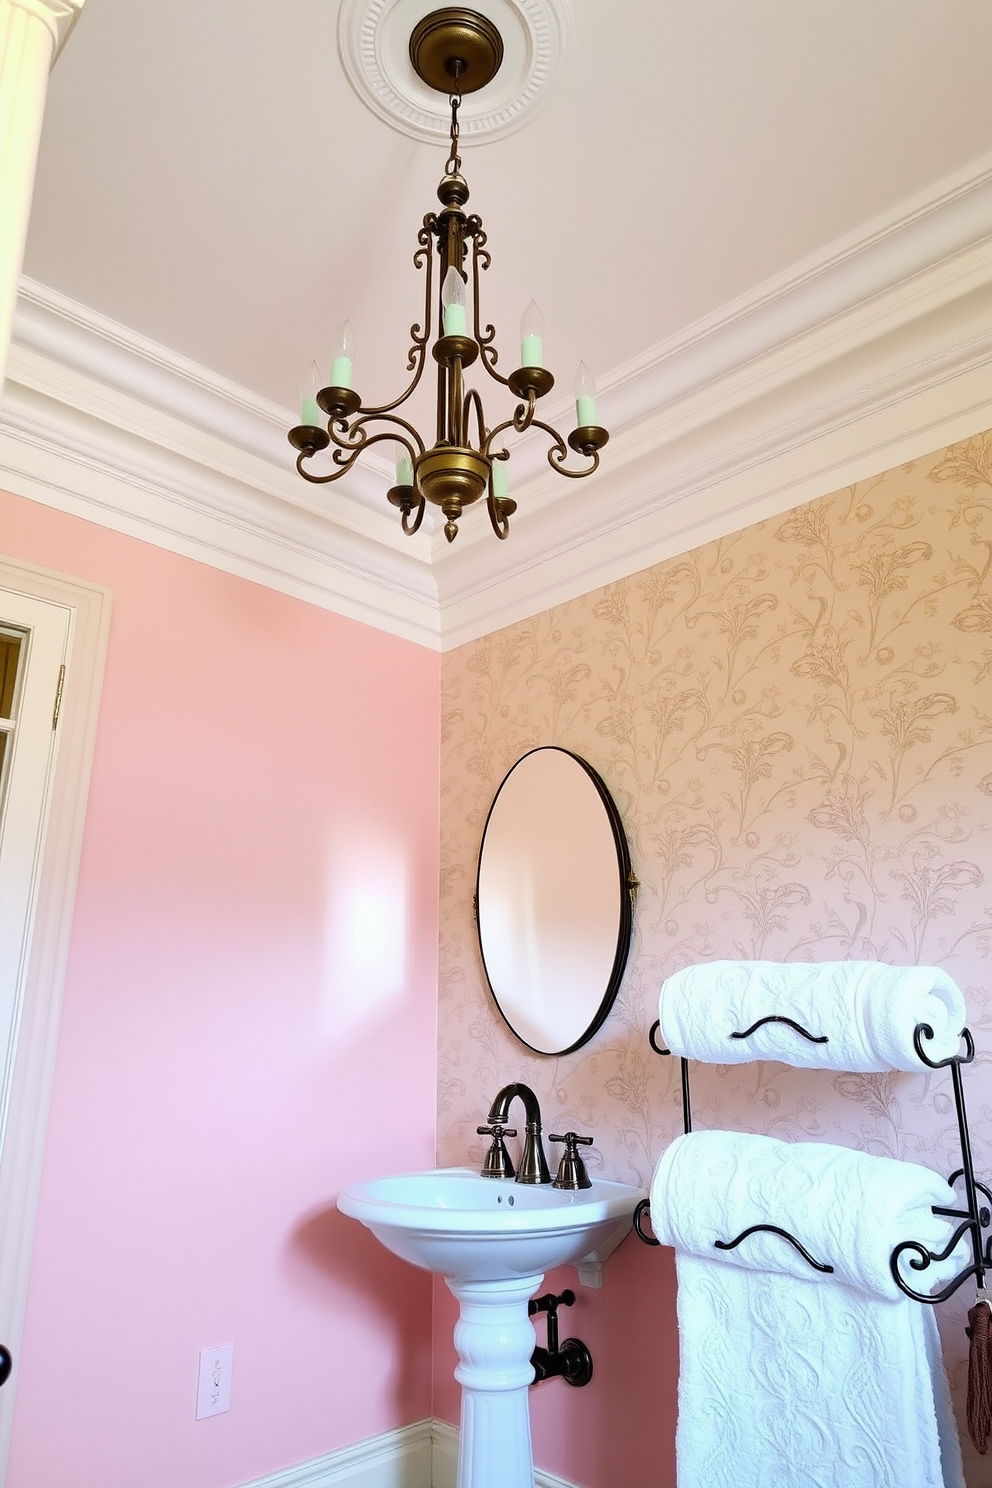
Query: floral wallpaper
point(796, 724)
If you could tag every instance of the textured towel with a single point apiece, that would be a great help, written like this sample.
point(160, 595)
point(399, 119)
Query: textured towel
point(791, 1378)
point(867, 1010)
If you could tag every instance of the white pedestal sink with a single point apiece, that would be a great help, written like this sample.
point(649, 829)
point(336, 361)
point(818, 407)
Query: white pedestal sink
point(492, 1240)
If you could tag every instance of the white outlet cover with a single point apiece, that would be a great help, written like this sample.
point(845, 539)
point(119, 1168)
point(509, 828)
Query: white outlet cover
point(213, 1383)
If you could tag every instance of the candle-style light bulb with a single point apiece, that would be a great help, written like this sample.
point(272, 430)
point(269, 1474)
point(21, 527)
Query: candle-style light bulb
point(500, 483)
point(310, 387)
point(404, 466)
point(454, 312)
point(585, 397)
point(344, 356)
point(532, 336)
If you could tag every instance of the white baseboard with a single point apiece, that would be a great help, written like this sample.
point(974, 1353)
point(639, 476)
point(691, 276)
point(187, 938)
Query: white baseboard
point(424, 1455)
point(445, 1455)
point(396, 1459)
point(446, 1461)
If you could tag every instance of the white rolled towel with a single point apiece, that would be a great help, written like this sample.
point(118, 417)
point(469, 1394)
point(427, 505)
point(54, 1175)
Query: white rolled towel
point(867, 1011)
point(789, 1375)
point(847, 1208)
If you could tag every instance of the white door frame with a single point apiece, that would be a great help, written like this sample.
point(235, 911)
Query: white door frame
point(45, 965)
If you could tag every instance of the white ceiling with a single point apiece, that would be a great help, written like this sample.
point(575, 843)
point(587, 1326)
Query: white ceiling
point(209, 180)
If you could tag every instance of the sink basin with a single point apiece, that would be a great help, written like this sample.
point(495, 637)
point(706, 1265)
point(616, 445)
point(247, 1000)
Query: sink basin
point(460, 1225)
point(492, 1239)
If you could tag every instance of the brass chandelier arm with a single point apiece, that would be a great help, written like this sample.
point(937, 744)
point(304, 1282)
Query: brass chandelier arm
point(523, 418)
point(497, 516)
point(343, 462)
point(523, 414)
point(420, 334)
point(409, 528)
point(481, 260)
point(365, 441)
point(315, 480)
point(558, 454)
point(347, 450)
point(472, 400)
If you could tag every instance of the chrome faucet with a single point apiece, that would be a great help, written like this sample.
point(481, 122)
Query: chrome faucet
point(533, 1163)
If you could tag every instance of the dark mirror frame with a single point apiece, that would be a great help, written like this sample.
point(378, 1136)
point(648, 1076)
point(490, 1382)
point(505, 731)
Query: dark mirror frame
point(627, 886)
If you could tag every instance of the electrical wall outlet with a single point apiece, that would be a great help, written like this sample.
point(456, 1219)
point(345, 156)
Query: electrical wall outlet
point(213, 1384)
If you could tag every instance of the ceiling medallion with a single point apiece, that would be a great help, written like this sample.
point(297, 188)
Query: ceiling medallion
point(374, 42)
point(456, 52)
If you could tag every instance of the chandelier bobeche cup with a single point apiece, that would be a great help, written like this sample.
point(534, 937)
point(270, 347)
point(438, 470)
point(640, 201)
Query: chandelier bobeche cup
point(454, 51)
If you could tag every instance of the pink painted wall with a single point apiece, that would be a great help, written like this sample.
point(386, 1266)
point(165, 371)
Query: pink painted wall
point(249, 1022)
point(795, 724)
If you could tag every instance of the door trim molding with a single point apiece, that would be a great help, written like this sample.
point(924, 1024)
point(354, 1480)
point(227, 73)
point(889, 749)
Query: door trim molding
point(34, 1069)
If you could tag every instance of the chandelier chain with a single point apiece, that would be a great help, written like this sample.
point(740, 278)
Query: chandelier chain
point(454, 165)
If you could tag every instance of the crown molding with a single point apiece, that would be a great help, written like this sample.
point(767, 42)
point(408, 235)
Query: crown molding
point(904, 249)
point(57, 16)
point(230, 524)
point(105, 425)
point(876, 352)
point(671, 495)
point(812, 415)
point(76, 353)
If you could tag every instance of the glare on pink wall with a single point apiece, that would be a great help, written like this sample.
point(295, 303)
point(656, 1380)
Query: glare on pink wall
point(249, 1022)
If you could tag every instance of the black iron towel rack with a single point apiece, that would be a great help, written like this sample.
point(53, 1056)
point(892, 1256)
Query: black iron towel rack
point(974, 1217)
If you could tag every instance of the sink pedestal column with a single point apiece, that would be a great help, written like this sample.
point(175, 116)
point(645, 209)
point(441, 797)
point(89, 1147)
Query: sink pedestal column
point(495, 1338)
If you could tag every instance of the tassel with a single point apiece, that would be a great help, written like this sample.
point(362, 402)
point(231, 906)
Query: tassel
point(980, 1375)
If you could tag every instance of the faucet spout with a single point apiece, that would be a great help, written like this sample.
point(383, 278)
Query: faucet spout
point(533, 1166)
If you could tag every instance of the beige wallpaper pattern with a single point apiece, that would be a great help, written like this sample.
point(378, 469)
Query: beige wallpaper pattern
point(796, 724)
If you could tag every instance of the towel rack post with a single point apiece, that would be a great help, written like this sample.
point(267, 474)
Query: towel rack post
point(970, 1188)
point(975, 1216)
point(686, 1103)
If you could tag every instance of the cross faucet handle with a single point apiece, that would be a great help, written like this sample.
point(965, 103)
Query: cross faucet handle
point(571, 1170)
point(498, 1163)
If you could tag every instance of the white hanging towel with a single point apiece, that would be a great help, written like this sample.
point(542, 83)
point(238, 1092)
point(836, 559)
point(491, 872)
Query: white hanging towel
point(867, 1011)
point(791, 1378)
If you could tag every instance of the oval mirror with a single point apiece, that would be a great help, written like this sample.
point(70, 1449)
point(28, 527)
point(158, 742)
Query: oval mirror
point(554, 900)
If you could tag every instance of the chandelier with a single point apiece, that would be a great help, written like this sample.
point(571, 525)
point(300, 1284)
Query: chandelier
point(454, 51)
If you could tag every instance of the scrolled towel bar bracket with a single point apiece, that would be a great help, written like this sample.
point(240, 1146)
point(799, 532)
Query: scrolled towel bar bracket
point(643, 1208)
point(923, 1030)
point(653, 1031)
